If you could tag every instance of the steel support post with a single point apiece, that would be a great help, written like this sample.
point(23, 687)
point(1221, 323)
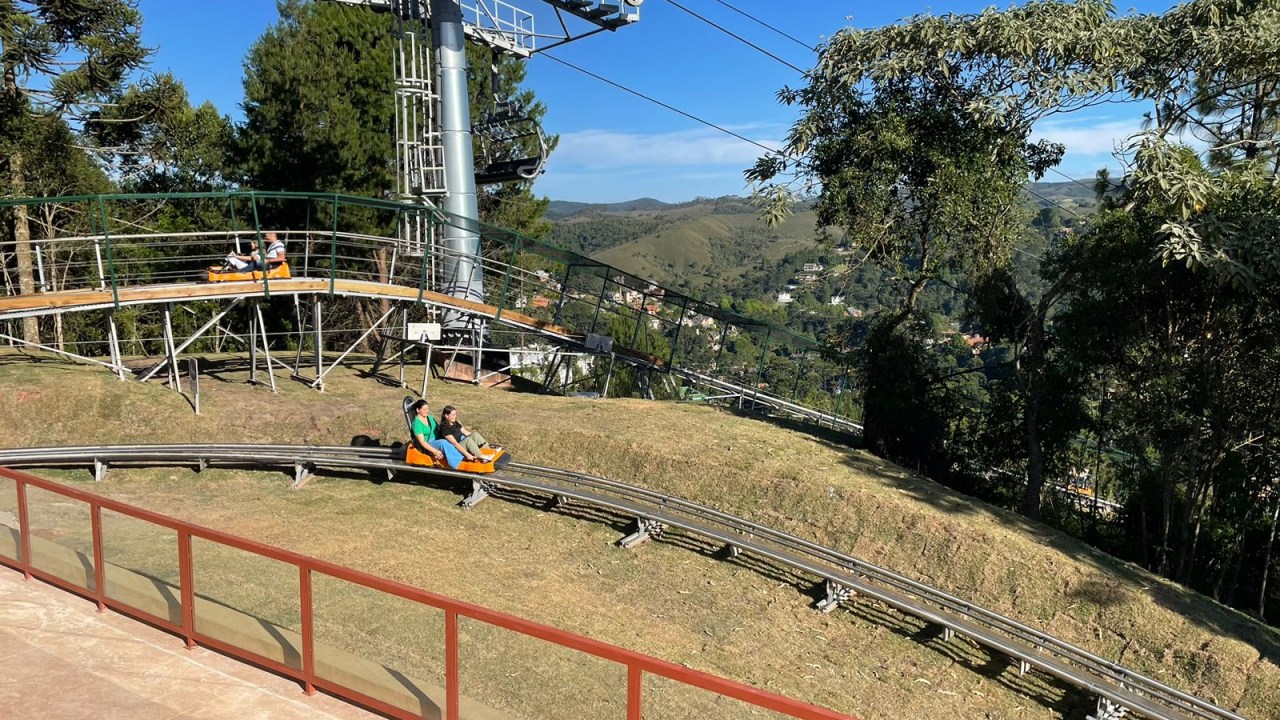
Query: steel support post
point(185, 343)
point(461, 231)
point(102, 273)
point(608, 377)
point(764, 351)
point(318, 328)
point(302, 334)
point(348, 351)
point(42, 284)
point(266, 348)
point(550, 372)
point(675, 339)
point(635, 332)
point(404, 344)
point(171, 355)
point(253, 343)
point(426, 371)
point(113, 342)
point(479, 357)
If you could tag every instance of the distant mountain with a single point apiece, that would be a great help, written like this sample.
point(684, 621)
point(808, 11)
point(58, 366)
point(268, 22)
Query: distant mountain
point(1076, 194)
point(560, 209)
point(720, 245)
point(687, 245)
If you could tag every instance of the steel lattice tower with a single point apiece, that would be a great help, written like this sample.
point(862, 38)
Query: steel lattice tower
point(435, 159)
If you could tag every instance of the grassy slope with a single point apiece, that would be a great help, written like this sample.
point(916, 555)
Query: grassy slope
point(737, 619)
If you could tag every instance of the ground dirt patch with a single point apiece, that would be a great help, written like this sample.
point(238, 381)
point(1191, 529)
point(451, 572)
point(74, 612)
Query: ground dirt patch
point(675, 599)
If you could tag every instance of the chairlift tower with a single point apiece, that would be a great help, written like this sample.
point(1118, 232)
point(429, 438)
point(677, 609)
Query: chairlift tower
point(435, 157)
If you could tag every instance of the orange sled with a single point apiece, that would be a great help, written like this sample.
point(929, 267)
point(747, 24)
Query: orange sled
point(277, 272)
point(415, 455)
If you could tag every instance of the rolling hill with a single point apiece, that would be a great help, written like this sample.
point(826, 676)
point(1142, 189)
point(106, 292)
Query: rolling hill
point(715, 244)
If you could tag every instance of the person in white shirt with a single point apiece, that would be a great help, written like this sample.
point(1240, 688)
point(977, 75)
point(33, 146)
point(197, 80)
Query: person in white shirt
point(253, 261)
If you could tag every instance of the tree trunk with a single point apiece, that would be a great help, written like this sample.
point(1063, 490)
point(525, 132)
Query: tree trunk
point(1266, 559)
point(21, 223)
point(1035, 356)
point(1234, 558)
point(1169, 474)
point(1031, 392)
point(22, 246)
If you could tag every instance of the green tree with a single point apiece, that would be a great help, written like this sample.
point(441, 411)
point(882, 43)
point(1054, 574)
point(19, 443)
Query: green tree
point(320, 115)
point(58, 58)
point(171, 146)
point(922, 187)
point(1206, 65)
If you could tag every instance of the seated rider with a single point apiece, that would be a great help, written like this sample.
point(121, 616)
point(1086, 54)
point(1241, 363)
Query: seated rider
point(425, 430)
point(253, 261)
point(467, 442)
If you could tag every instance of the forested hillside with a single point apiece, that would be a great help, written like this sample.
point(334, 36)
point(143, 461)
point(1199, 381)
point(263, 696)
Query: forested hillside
point(721, 250)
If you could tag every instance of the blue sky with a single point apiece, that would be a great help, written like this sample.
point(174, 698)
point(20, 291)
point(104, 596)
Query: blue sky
point(613, 145)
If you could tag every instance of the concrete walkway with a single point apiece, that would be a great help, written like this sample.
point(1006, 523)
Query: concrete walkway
point(62, 660)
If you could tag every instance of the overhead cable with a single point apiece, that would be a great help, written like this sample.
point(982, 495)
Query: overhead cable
point(655, 101)
point(758, 20)
point(739, 38)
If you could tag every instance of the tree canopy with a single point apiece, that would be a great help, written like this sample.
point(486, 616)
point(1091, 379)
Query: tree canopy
point(1148, 328)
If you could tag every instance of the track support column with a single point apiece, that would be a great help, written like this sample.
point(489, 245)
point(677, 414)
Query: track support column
point(113, 341)
point(171, 354)
point(318, 328)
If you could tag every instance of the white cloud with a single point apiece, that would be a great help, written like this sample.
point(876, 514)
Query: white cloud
point(607, 149)
point(1099, 137)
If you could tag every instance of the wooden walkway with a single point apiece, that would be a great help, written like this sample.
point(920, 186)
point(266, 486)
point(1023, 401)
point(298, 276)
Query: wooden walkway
point(14, 306)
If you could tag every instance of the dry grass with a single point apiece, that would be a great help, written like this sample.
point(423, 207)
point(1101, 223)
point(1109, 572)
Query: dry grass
point(739, 619)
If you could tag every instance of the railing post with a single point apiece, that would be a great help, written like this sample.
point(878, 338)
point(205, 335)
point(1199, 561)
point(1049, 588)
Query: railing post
point(42, 284)
point(97, 248)
point(633, 692)
point(306, 243)
point(635, 331)
point(604, 286)
point(451, 664)
point(764, 351)
point(24, 528)
point(111, 263)
point(262, 250)
point(422, 274)
point(333, 248)
point(675, 339)
point(715, 364)
point(99, 571)
point(186, 578)
point(308, 630)
point(564, 285)
point(506, 279)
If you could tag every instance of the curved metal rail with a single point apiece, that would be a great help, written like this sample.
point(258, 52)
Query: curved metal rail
point(1118, 689)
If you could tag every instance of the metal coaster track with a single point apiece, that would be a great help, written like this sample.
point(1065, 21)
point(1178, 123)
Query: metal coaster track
point(1118, 690)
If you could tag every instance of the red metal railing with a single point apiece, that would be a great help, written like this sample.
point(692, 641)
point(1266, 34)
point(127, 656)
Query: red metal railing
point(637, 664)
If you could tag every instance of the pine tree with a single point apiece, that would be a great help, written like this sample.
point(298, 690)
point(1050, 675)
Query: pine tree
point(58, 58)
